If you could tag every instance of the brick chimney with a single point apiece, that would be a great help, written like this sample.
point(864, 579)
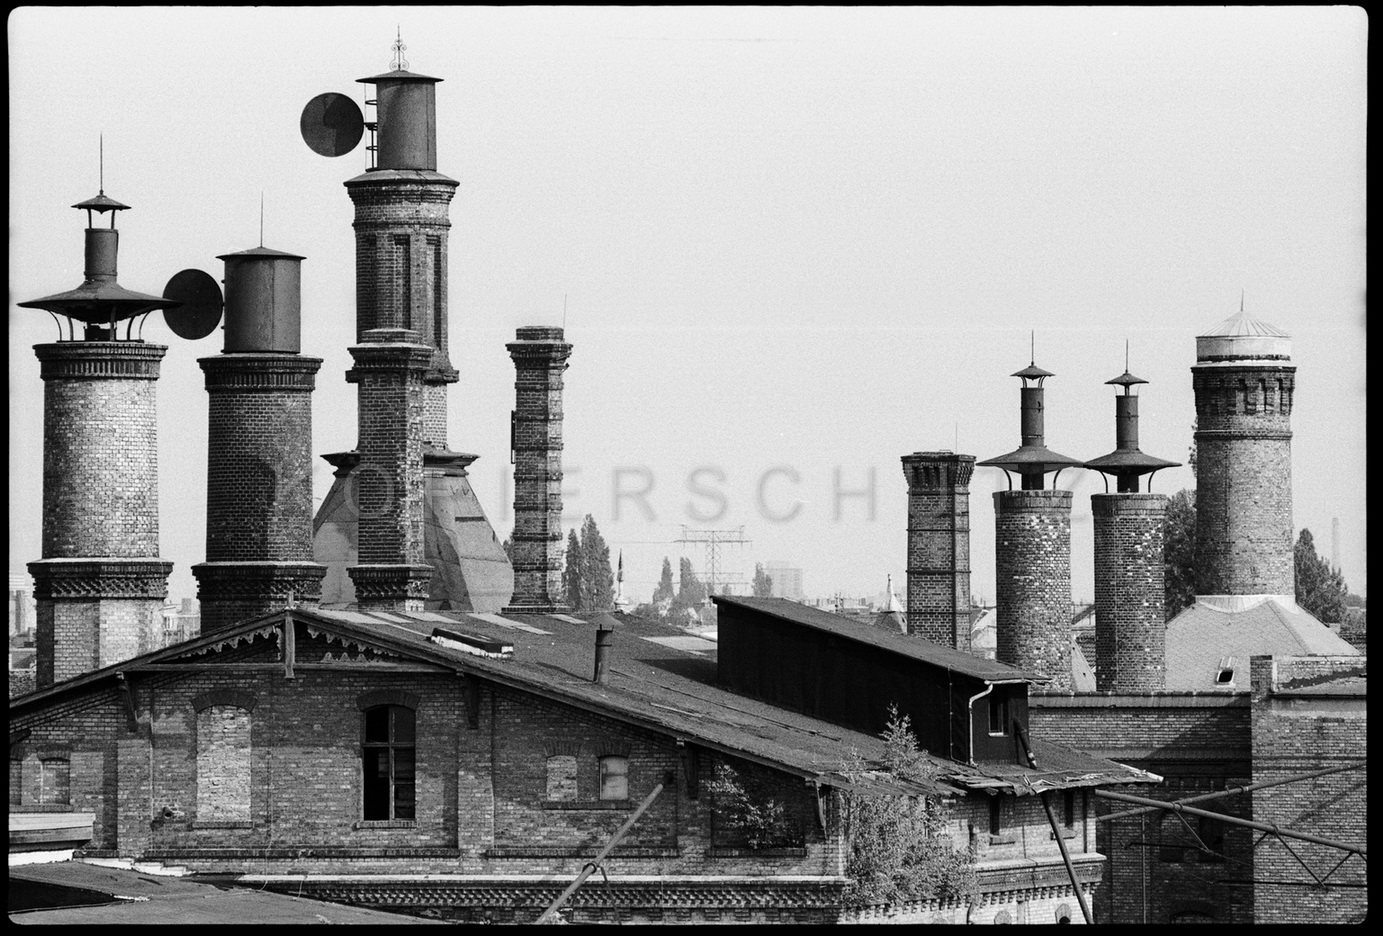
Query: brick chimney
point(939, 546)
point(1033, 549)
point(1130, 630)
point(100, 585)
point(1244, 383)
point(259, 448)
point(540, 356)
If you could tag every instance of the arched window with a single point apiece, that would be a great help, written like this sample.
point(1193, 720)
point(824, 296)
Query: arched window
point(561, 778)
point(223, 764)
point(614, 777)
point(389, 772)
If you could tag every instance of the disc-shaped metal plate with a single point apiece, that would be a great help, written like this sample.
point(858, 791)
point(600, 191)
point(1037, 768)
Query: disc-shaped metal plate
point(332, 124)
point(200, 311)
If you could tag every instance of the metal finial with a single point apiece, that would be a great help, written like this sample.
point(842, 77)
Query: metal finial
point(1241, 300)
point(399, 63)
point(564, 311)
point(1125, 355)
point(261, 217)
point(102, 169)
point(1032, 350)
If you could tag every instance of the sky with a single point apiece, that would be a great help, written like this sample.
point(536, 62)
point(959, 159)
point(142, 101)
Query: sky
point(789, 245)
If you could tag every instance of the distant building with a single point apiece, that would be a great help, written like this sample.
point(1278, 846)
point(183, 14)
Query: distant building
point(787, 580)
point(22, 605)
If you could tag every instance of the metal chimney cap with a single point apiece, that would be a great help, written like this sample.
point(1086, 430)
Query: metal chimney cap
point(1032, 370)
point(266, 252)
point(399, 75)
point(1126, 380)
point(101, 203)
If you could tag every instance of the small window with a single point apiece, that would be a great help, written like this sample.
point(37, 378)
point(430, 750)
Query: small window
point(389, 781)
point(614, 778)
point(996, 815)
point(561, 778)
point(1225, 677)
point(1003, 916)
point(1068, 809)
point(998, 715)
point(1063, 913)
point(1171, 847)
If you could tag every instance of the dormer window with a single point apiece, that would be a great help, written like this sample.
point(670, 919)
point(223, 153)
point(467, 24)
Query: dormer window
point(1224, 673)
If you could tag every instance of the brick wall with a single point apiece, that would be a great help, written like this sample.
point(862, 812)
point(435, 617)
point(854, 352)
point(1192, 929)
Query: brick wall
point(1197, 742)
point(1033, 582)
point(1244, 479)
point(1130, 629)
point(1294, 736)
point(939, 546)
point(540, 357)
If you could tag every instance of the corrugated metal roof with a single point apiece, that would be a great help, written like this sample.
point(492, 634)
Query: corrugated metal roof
point(914, 647)
point(1203, 635)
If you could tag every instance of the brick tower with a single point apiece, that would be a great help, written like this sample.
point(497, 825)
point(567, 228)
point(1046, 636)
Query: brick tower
point(100, 585)
point(401, 227)
point(540, 356)
point(1032, 546)
point(1244, 380)
point(259, 448)
point(1130, 630)
point(939, 546)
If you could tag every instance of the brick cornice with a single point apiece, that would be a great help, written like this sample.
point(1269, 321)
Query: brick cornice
point(1014, 501)
point(1278, 434)
point(100, 578)
point(251, 580)
point(268, 372)
point(1128, 504)
point(99, 360)
point(390, 582)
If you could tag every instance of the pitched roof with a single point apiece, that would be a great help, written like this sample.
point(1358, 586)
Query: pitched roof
point(913, 647)
point(1219, 627)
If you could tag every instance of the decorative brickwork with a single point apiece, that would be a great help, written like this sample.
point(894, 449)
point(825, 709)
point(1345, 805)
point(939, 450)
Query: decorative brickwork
point(401, 227)
point(99, 586)
point(939, 546)
point(1033, 582)
point(1130, 650)
point(259, 487)
point(540, 356)
point(387, 587)
point(1244, 478)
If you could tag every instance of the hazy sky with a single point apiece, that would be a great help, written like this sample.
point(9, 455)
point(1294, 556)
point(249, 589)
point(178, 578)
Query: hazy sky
point(792, 244)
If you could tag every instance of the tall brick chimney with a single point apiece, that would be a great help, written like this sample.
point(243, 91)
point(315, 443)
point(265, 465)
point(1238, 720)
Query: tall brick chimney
point(1130, 630)
point(1033, 550)
point(1244, 382)
point(259, 448)
point(100, 584)
point(401, 229)
point(939, 546)
point(540, 356)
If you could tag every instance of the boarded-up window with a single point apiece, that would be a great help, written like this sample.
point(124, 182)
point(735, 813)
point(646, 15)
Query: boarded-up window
point(16, 779)
point(614, 778)
point(223, 764)
point(54, 781)
point(561, 778)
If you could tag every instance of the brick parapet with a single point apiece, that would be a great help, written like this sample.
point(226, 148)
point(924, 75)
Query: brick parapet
point(938, 558)
point(540, 358)
point(1244, 531)
point(1033, 582)
point(1130, 627)
point(99, 360)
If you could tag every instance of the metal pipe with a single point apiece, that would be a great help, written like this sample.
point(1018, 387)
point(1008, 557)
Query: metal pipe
point(595, 862)
point(1230, 791)
point(1056, 831)
point(970, 712)
point(1232, 820)
point(602, 654)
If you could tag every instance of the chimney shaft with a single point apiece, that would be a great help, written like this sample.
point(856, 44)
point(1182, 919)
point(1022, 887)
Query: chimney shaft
point(939, 546)
point(540, 356)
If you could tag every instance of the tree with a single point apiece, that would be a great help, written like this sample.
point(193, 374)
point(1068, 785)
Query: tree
point(763, 582)
point(664, 591)
point(587, 580)
point(508, 547)
point(1179, 553)
point(1320, 587)
point(597, 579)
point(898, 848)
point(690, 591)
point(571, 572)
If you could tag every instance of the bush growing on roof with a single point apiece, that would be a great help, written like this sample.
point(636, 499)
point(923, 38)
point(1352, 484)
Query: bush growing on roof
point(898, 849)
